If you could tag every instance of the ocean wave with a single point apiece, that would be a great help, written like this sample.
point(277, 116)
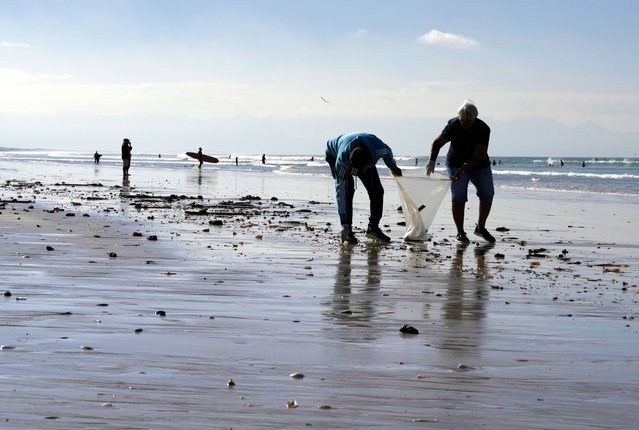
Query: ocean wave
point(550, 189)
point(555, 162)
point(553, 173)
point(616, 176)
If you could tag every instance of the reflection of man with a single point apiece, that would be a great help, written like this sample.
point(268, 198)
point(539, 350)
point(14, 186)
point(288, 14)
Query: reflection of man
point(355, 304)
point(342, 290)
point(465, 300)
point(124, 193)
point(355, 154)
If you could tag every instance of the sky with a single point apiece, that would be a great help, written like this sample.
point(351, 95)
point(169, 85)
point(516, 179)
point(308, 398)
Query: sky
point(550, 77)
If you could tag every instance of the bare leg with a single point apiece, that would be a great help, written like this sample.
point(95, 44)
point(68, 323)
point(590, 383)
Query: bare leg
point(458, 216)
point(484, 211)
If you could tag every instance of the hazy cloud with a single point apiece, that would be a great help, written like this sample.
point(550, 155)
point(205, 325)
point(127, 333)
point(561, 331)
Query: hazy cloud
point(62, 77)
point(449, 40)
point(359, 33)
point(60, 94)
point(7, 44)
point(13, 76)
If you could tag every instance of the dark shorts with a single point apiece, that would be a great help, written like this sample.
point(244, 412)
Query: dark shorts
point(482, 179)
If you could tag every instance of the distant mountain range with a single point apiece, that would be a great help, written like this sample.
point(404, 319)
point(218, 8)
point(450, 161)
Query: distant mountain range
point(524, 136)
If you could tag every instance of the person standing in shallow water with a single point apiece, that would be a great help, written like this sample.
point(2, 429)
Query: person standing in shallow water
point(126, 157)
point(355, 154)
point(467, 161)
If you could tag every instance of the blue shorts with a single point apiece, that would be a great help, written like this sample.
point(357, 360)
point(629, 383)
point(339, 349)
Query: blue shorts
point(482, 179)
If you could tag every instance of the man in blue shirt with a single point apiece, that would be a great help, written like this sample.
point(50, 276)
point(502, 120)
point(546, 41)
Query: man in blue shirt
point(355, 154)
point(467, 161)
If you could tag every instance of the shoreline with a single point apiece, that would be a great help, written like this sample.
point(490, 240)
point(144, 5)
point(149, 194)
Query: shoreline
point(545, 342)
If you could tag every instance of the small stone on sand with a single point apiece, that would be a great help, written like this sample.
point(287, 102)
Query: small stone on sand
point(408, 329)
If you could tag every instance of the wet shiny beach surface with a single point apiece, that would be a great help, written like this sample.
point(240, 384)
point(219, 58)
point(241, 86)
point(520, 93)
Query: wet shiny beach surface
point(149, 338)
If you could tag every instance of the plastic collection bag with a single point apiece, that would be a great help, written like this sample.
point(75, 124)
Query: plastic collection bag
point(421, 197)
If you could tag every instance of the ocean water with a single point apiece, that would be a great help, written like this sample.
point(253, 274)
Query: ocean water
point(602, 176)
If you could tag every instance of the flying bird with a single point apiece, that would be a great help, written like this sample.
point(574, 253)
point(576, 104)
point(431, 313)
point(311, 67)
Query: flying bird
point(324, 100)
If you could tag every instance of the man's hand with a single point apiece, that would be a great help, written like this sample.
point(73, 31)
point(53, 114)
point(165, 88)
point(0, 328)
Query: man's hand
point(430, 167)
point(397, 172)
point(459, 172)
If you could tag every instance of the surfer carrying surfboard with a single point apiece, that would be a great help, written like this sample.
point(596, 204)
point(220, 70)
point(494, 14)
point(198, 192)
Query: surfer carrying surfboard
point(202, 158)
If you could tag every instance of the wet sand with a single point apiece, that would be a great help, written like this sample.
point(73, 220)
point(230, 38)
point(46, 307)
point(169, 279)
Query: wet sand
point(109, 329)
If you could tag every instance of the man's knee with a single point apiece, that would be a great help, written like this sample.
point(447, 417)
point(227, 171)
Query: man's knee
point(485, 193)
point(486, 197)
point(458, 193)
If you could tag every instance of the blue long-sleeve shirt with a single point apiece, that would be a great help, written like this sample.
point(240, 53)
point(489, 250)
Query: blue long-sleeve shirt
point(340, 148)
point(338, 152)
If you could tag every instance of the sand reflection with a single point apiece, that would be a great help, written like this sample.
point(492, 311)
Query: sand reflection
point(125, 195)
point(204, 181)
point(126, 186)
point(354, 294)
point(464, 309)
point(467, 291)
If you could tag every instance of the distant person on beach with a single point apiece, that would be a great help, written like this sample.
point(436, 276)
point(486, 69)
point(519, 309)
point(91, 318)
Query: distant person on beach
point(199, 157)
point(236, 161)
point(96, 157)
point(263, 158)
point(467, 161)
point(583, 164)
point(355, 154)
point(126, 157)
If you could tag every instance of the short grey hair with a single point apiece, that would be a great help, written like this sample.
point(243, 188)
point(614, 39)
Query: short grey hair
point(468, 109)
